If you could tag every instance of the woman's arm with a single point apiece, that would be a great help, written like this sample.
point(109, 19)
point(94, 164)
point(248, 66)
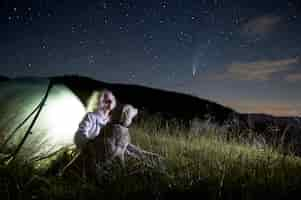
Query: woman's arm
point(82, 133)
point(85, 125)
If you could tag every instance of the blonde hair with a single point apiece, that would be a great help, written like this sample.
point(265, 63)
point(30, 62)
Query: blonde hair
point(93, 101)
point(96, 98)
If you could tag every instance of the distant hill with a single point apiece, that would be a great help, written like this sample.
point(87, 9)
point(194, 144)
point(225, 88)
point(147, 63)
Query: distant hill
point(183, 107)
point(284, 131)
point(170, 105)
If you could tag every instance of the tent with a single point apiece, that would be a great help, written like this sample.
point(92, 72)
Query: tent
point(55, 124)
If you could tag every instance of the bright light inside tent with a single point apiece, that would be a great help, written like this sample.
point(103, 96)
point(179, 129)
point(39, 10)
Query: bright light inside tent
point(60, 117)
point(56, 124)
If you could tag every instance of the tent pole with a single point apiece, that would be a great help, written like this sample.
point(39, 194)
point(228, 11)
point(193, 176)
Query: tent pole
point(28, 132)
point(18, 127)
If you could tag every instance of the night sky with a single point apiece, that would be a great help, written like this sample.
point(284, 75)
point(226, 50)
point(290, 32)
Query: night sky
point(243, 54)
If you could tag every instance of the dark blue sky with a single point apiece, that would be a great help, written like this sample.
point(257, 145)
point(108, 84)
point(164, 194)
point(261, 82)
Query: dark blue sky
point(244, 54)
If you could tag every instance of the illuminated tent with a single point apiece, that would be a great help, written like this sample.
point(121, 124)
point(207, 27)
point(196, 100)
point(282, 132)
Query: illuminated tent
point(56, 121)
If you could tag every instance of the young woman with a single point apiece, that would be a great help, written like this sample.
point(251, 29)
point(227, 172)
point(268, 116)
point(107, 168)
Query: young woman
point(99, 109)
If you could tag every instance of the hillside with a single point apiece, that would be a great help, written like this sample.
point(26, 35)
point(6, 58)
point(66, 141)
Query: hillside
point(168, 104)
point(185, 108)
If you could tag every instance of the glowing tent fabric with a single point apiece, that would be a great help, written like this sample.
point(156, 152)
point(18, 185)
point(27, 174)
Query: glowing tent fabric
point(56, 124)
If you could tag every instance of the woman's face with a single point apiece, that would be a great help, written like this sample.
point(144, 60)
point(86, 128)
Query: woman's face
point(107, 102)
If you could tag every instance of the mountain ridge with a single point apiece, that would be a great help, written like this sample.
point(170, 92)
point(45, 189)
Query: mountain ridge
point(185, 108)
point(70, 80)
point(168, 103)
point(283, 130)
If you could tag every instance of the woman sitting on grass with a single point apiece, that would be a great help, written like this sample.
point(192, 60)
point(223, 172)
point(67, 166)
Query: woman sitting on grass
point(112, 141)
point(99, 109)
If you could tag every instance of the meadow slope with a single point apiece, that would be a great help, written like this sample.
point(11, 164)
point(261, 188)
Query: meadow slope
point(202, 162)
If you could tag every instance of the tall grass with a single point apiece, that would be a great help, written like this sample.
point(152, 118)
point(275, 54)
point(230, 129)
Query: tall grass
point(225, 166)
point(207, 161)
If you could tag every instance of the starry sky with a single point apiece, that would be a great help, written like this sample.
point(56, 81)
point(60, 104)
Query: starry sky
point(245, 54)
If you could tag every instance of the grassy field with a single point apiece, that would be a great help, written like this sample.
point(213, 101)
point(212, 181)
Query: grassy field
point(205, 161)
